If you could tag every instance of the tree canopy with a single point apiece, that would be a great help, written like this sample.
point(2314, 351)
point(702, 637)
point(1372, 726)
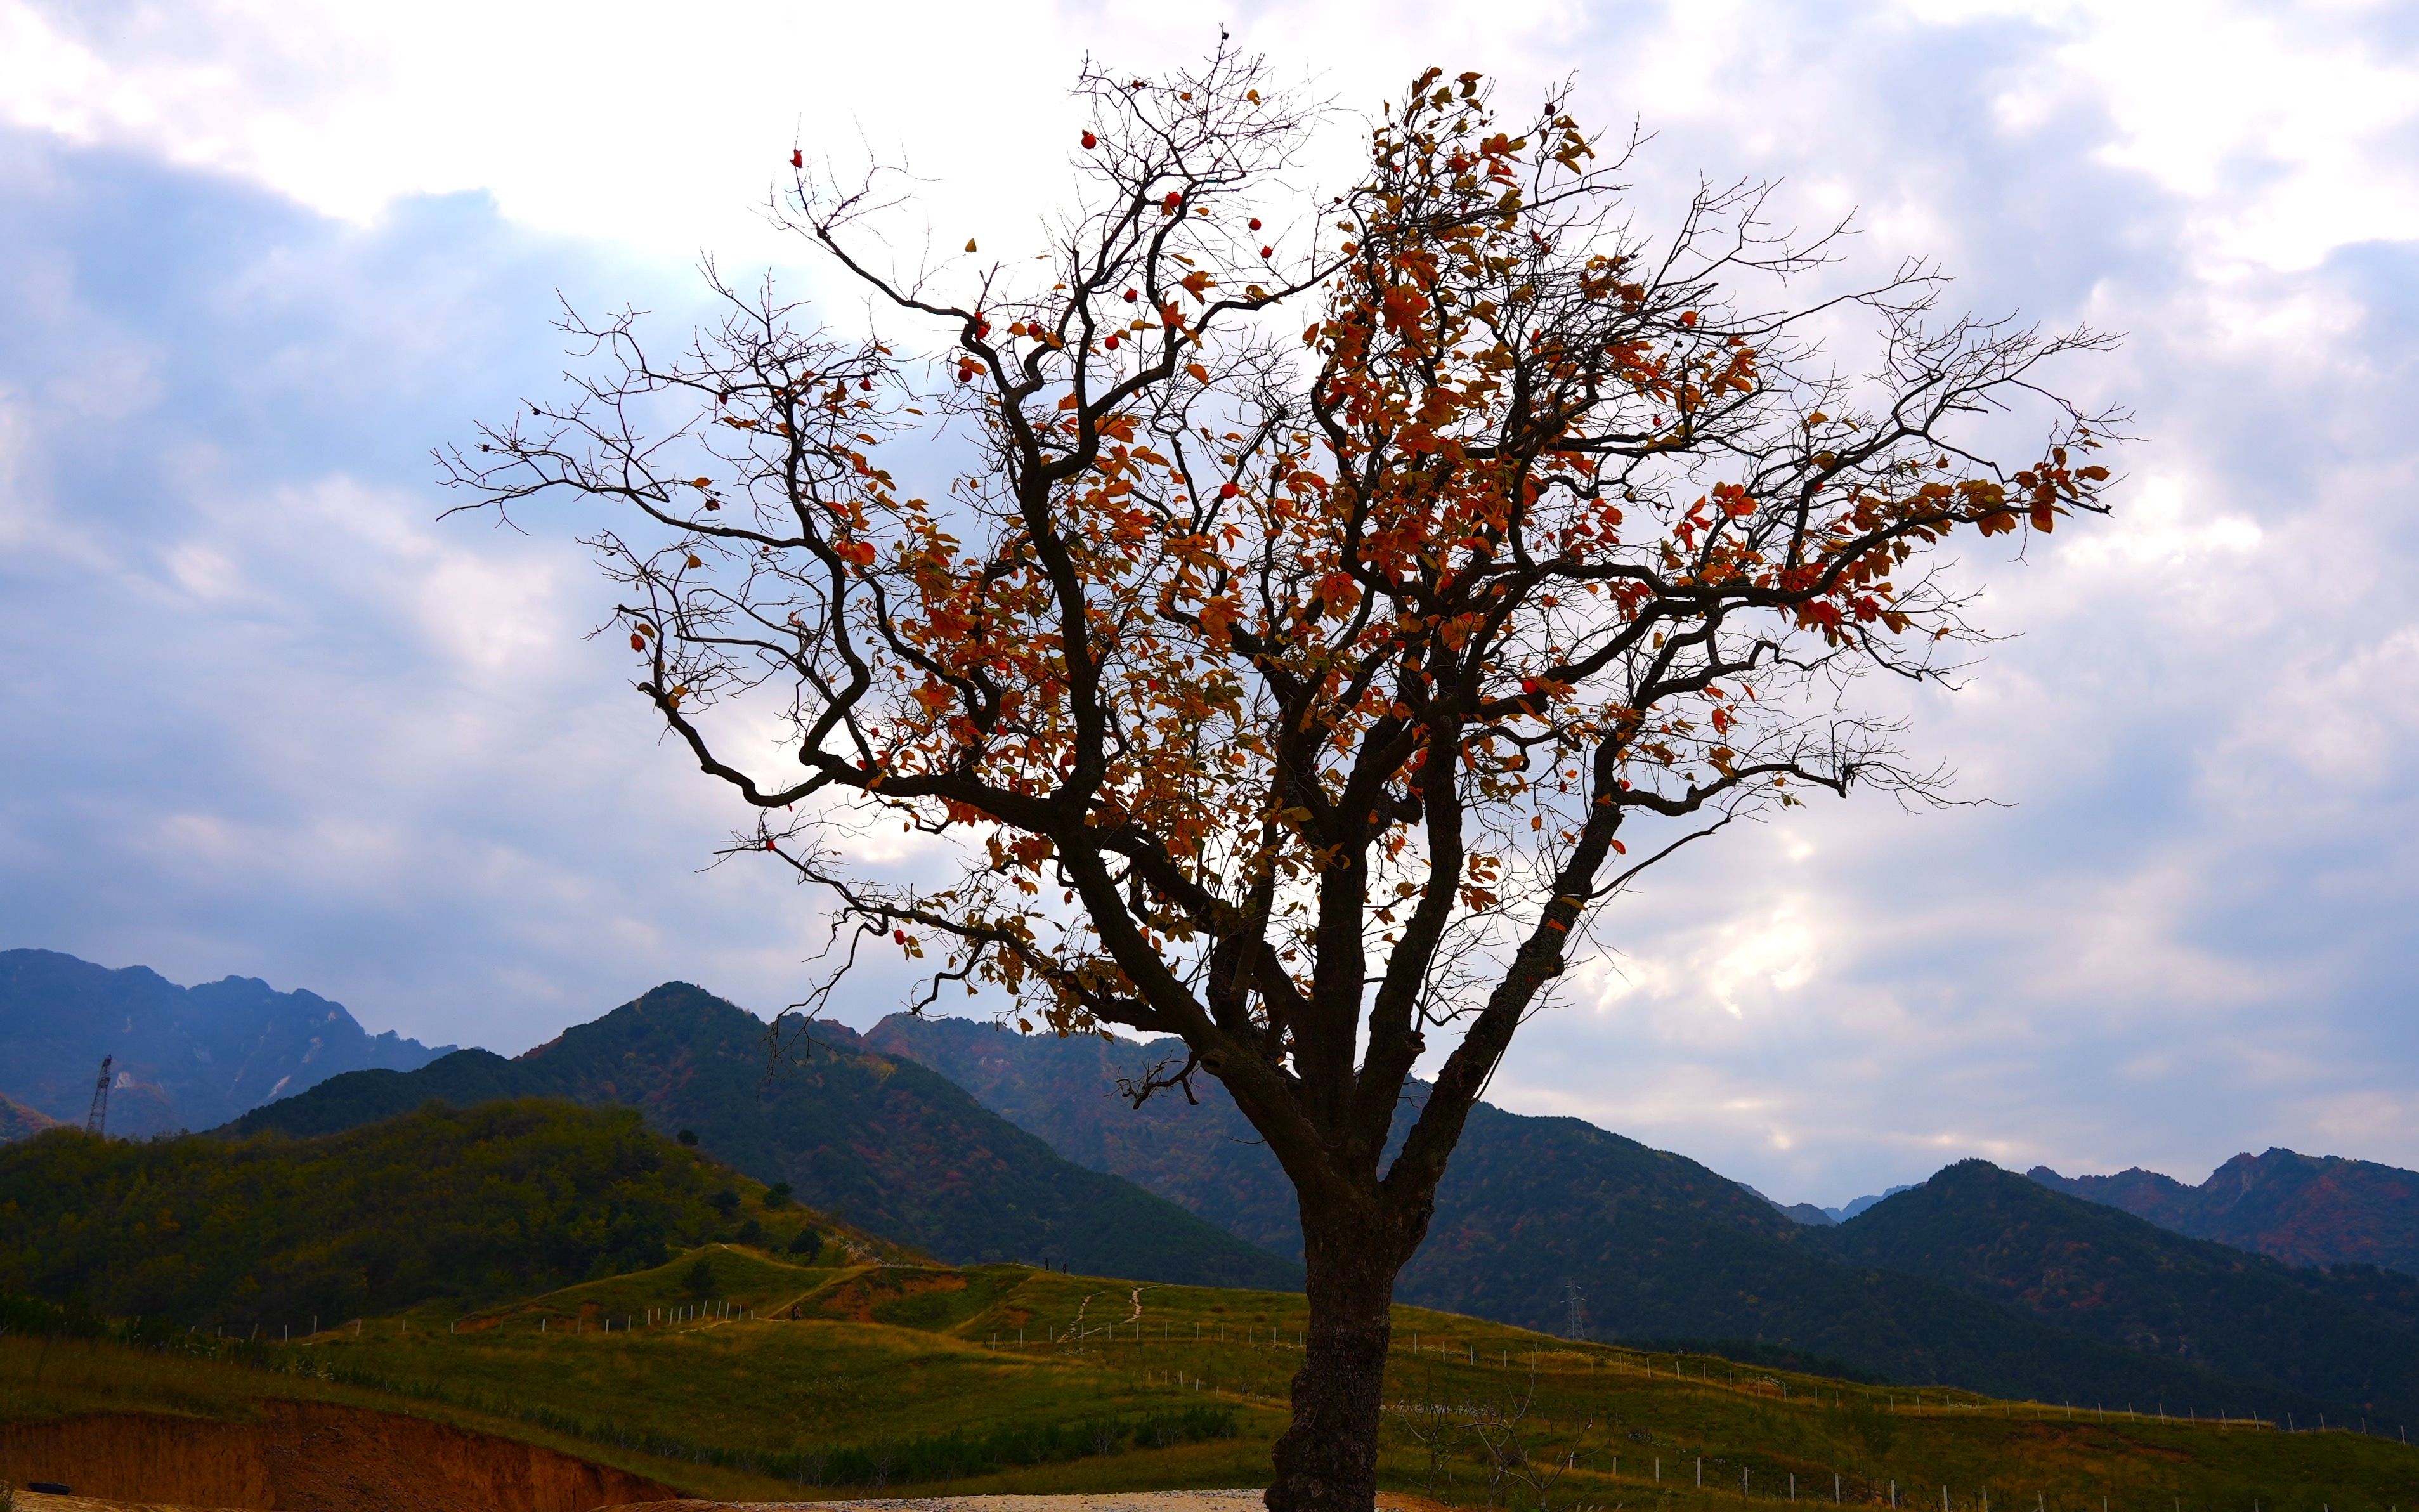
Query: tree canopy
point(1347, 594)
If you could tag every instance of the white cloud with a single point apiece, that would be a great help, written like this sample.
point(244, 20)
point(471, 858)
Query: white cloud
point(291, 725)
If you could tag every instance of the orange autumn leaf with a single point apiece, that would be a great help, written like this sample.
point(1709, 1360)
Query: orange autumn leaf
point(1191, 655)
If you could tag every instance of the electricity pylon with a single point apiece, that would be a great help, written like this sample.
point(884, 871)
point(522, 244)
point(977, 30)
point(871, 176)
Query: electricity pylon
point(99, 1117)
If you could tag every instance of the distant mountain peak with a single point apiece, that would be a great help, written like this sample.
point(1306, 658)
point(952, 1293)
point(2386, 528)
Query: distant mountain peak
point(1849, 1209)
point(2303, 1209)
point(188, 1057)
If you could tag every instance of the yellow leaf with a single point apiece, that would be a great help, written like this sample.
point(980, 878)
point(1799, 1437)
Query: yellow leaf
point(1200, 374)
point(970, 243)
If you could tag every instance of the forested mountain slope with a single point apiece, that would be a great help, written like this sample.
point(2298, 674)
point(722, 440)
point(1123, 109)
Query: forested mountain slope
point(470, 1205)
point(2303, 1209)
point(881, 1142)
point(1206, 1156)
point(2114, 1277)
point(1659, 1246)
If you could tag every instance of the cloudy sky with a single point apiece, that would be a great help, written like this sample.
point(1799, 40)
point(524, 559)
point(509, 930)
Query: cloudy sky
point(266, 715)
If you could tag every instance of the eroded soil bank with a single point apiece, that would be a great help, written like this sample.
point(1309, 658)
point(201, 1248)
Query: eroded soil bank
point(311, 1456)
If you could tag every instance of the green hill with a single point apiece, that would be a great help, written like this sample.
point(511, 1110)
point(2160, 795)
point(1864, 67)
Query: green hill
point(467, 1206)
point(881, 1142)
point(2107, 1274)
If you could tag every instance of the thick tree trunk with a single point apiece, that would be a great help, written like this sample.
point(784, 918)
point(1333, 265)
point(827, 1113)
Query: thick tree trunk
point(1326, 1461)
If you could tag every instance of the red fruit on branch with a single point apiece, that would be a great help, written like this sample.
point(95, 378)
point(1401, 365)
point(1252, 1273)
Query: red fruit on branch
point(1090, 141)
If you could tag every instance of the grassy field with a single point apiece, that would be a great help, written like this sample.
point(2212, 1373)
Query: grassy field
point(910, 1380)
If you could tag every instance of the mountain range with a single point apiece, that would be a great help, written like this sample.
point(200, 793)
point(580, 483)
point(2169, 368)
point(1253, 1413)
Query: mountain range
point(2340, 1333)
point(2303, 1209)
point(967, 1142)
point(1977, 1276)
point(1815, 1217)
point(882, 1143)
point(183, 1058)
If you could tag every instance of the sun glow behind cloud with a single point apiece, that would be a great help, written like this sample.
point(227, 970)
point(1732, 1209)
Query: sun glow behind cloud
point(265, 255)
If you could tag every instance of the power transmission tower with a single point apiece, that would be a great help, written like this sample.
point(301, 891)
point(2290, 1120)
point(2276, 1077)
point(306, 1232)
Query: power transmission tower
point(99, 1117)
point(1575, 1323)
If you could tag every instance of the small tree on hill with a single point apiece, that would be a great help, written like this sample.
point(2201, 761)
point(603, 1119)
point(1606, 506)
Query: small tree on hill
point(1327, 622)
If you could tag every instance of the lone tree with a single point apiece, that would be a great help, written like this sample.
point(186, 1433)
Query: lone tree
point(1323, 623)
